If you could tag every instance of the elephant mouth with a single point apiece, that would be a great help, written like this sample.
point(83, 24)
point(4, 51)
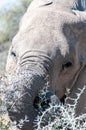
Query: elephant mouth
point(28, 112)
point(43, 101)
point(63, 99)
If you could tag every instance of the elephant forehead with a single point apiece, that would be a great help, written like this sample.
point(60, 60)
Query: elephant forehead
point(43, 39)
point(47, 15)
point(43, 31)
point(40, 17)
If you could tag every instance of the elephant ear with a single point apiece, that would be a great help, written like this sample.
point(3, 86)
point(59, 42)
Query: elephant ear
point(77, 26)
point(83, 3)
point(75, 32)
point(80, 32)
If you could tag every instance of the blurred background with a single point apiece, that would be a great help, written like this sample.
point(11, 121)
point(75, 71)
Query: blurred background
point(11, 12)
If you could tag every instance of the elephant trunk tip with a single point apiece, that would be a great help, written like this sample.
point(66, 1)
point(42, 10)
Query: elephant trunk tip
point(27, 99)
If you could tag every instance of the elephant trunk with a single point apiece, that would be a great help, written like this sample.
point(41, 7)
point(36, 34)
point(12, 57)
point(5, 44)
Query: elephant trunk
point(23, 89)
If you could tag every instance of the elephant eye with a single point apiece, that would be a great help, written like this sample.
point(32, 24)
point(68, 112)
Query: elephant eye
point(66, 65)
point(13, 54)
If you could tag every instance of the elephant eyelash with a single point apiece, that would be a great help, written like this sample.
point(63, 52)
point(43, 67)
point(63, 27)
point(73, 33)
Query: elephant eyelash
point(67, 65)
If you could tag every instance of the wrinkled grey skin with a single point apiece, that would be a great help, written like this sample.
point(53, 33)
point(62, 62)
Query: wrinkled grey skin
point(51, 41)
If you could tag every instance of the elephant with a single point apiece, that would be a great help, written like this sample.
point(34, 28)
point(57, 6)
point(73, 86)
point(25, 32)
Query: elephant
point(49, 47)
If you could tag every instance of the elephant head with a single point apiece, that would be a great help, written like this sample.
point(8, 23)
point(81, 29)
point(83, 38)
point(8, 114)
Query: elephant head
point(50, 41)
